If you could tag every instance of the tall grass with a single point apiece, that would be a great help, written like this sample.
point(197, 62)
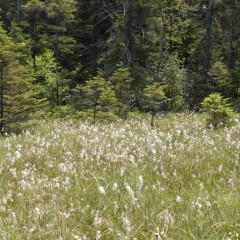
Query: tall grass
point(74, 180)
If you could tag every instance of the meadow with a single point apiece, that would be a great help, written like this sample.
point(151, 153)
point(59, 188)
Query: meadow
point(67, 179)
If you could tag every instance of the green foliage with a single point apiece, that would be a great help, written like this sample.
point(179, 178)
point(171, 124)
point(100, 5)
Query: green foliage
point(174, 76)
point(236, 105)
point(61, 16)
point(122, 83)
point(154, 98)
point(221, 77)
point(235, 74)
point(99, 95)
point(189, 46)
point(218, 109)
point(58, 112)
point(17, 92)
point(155, 94)
point(166, 31)
point(62, 9)
point(21, 42)
point(34, 15)
point(52, 81)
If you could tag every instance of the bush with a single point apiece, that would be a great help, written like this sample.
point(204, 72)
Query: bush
point(218, 109)
point(154, 98)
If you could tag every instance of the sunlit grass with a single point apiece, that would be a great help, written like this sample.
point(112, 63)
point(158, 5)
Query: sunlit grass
point(126, 180)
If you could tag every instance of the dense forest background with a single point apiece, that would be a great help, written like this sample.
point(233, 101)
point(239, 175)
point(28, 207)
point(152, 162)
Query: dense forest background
point(105, 58)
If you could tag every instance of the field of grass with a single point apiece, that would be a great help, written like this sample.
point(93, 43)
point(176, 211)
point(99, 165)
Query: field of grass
point(72, 180)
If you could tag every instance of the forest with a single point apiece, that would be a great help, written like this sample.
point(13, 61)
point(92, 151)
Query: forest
point(119, 119)
point(106, 58)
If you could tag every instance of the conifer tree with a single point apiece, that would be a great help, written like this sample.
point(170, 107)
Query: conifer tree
point(87, 35)
point(122, 83)
point(11, 10)
point(167, 32)
point(17, 96)
point(221, 78)
point(51, 83)
point(154, 98)
point(60, 14)
point(34, 25)
point(99, 95)
point(174, 76)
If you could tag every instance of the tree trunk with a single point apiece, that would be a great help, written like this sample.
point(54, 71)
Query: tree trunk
point(236, 91)
point(57, 54)
point(161, 46)
point(1, 100)
point(34, 62)
point(95, 112)
point(207, 43)
point(152, 118)
point(162, 40)
point(57, 69)
point(231, 48)
point(128, 32)
point(18, 11)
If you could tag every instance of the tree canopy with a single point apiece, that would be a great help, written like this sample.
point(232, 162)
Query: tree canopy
point(58, 47)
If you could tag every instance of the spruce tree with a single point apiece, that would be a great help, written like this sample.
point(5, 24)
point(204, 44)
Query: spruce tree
point(51, 81)
point(154, 99)
point(17, 95)
point(122, 83)
point(34, 24)
point(61, 14)
point(99, 95)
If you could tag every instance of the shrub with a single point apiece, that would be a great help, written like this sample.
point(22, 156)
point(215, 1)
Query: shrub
point(99, 96)
point(154, 98)
point(218, 109)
